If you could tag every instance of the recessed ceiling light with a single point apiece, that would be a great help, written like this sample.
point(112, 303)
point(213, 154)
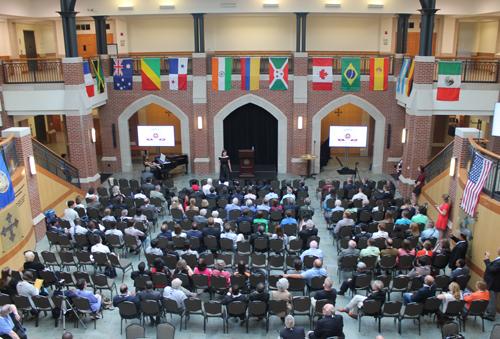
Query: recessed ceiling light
point(126, 7)
point(375, 5)
point(332, 4)
point(271, 4)
point(167, 6)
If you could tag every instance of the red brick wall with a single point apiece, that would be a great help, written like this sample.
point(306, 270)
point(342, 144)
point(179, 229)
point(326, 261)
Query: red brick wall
point(73, 74)
point(424, 73)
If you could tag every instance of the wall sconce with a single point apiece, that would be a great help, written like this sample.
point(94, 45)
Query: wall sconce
point(271, 4)
point(404, 137)
point(332, 5)
point(453, 165)
point(375, 5)
point(299, 123)
point(92, 134)
point(126, 7)
point(200, 122)
point(167, 6)
point(31, 160)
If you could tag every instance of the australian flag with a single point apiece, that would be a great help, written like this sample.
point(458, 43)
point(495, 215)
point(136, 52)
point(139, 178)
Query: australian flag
point(122, 74)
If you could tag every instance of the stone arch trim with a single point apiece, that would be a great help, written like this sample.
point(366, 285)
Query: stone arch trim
point(123, 127)
point(378, 140)
point(272, 109)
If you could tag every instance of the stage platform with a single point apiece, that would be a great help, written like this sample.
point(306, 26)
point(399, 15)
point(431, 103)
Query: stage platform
point(261, 172)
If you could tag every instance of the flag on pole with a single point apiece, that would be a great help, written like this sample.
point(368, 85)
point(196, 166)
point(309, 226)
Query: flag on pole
point(122, 74)
point(351, 80)
point(477, 177)
point(99, 76)
point(178, 73)
point(278, 74)
point(221, 74)
point(402, 76)
point(7, 195)
point(150, 74)
point(379, 74)
point(409, 81)
point(250, 73)
point(89, 82)
point(449, 79)
point(322, 74)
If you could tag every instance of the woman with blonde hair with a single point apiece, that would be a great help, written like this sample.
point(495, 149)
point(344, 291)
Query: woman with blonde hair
point(446, 297)
point(413, 232)
point(176, 205)
point(444, 210)
point(191, 206)
point(389, 219)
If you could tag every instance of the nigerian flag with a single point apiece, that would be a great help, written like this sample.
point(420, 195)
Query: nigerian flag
point(351, 79)
point(278, 74)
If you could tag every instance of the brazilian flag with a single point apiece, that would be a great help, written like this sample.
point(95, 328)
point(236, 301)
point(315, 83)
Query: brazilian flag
point(99, 76)
point(351, 77)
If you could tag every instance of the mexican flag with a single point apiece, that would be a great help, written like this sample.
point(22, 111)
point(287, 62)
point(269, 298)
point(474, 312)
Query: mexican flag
point(221, 74)
point(450, 76)
point(278, 74)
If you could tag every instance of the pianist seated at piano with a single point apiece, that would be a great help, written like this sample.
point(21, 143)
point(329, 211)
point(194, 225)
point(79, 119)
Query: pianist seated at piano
point(154, 169)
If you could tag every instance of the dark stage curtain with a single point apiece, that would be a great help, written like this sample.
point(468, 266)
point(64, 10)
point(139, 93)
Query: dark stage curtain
point(248, 126)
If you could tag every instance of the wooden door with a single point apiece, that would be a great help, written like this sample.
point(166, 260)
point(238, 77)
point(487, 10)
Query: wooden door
point(56, 120)
point(41, 130)
point(98, 142)
point(413, 45)
point(87, 46)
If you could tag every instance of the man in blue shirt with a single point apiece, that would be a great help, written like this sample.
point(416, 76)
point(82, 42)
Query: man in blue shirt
point(238, 194)
point(165, 232)
point(430, 232)
point(316, 271)
point(7, 326)
point(313, 250)
point(264, 206)
point(288, 219)
point(289, 194)
point(230, 207)
point(404, 220)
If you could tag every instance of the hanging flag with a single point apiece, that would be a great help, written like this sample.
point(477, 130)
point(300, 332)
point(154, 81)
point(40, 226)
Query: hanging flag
point(477, 177)
point(322, 74)
point(449, 79)
point(178, 68)
point(278, 74)
point(99, 76)
point(402, 76)
point(221, 74)
point(379, 74)
point(123, 74)
point(250, 74)
point(409, 81)
point(351, 79)
point(89, 82)
point(7, 195)
point(150, 73)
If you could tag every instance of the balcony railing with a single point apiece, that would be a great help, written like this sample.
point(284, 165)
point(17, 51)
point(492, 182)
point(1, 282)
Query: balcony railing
point(236, 62)
point(440, 163)
point(25, 71)
point(474, 70)
point(164, 64)
point(492, 184)
point(9, 153)
point(365, 62)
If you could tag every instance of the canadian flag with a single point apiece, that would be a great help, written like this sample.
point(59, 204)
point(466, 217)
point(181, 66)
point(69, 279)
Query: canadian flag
point(322, 74)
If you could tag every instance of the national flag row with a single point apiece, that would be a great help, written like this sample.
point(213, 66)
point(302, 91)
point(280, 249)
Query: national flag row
point(449, 79)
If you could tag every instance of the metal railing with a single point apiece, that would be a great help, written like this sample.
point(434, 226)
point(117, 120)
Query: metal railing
point(32, 71)
point(9, 153)
point(440, 163)
point(56, 165)
point(365, 62)
point(492, 184)
point(164, 64)
point(236, 64)
point(474, 70)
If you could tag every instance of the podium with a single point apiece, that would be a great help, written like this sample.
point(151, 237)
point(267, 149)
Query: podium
point(247, 157)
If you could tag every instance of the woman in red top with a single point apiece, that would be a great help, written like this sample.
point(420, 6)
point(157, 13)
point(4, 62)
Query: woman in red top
point(444, 210)
point(201, 268)
point(419, 183)
point(427, 250)
point(159, 267)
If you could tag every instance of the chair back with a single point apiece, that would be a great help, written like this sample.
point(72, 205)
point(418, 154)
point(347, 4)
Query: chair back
point(128, 310)
point(226, 244)
point(416, 284)
point(150, 308)
point(22, 302)
point(42, 302)
point(452, 328)
point(200, 281)
point(49, 258)
point(290, 229)
point(218, 282)
point(296, 245)
point(140, 281)
point(258, 259)
point(193, 305)
point(413, 310)
point(385, 279)
point(236, 308)
point(441, 261)
point(160, 279)
point(240, 280)
point(82, 275)
point(309, 261)
point(256, 279)
point(370, 261)
point(455, 307)
point(387, 261)
point(301, 304)
point(392, 308)
point(276, 245)
point(170, 306)
point(478, 306)
point(371, 307)
point(256, 308)
point(209, 259)
point(210, 242)
point(400, 283)
point(432, 305)
point(277, 306)
point(81, 304)
point(317, 283)
point(406, 261)
point(170, 261)
point(273, 280)
point(100, 280)
point(242, 257)
point(261, 244)
point(276, 262)
point(462, 281)
point(363, 281)
point(349, 262)
point(362, 243)
point(296, 284)
point(5, 299)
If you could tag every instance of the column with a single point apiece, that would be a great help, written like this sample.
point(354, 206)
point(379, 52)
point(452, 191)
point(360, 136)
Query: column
point(100, 34)
point(199, 33)
point(402, 38)
point(301, 32)
point(24, 149)
point(298, 166)
point(427, 26)
point(68, 15)
point(6, 120)
point(199, 148)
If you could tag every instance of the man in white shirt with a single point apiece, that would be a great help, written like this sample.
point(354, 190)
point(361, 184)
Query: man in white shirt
point(77, 228)
point(99, 247)
point(108, 216)
point(25, 287)
point(313, 250)
point(70, 214)
point(114, 231)
point(361, 196)
point(175, 293)
point(271, 195)
point(289, 194)
point(140, 194)
point(207, 186)
point(229, 234)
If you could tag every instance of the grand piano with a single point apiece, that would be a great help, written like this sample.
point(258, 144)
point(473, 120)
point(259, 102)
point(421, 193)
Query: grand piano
point(171, 162)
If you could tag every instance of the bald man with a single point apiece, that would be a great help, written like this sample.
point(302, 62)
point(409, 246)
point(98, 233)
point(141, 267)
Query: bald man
point(331, 325)
point(427, 291)
point(316, 271)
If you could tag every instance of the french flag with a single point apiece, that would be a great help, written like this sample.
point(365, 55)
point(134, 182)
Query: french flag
point(178, 73)
point(89, 82)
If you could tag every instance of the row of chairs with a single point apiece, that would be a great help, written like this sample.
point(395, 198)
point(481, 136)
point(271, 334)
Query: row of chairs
point(165, 330)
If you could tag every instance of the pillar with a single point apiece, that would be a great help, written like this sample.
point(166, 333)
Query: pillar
point(402, 38)
point(298, 166)
point(427, 26)
point(301, 32)
point(100, 34)
point(68, 15)
point(199, 148)
point(6, 121)
point(24, 149)
point(199, 32)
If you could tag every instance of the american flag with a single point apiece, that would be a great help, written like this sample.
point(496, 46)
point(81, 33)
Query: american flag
point(477, 177)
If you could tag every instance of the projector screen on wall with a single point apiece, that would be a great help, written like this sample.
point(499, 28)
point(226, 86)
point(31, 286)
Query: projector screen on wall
point(155, 136)
point(348, 136)
point(495, 130)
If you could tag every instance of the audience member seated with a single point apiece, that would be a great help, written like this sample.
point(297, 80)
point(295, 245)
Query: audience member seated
point(307, 207)
point(77, 228)
point(404, 219)
point(154, 212)
point(201, 218)
point(362, 234)
point(159, 267)
point(140, 194)
point(259, 219)
point(223, 194)
point(381, 233)
point(141, 270)
point(371, 249)
point(283, 294)
point(389, 249)
point(330, 325)
point(201, 268)
point(460, 270)
point(9, 328)
point(119, 203)
point(211, 194)
point(178, 233)
point(327, 293)
point(406, 249)
point(428, 233)
point(480, 294)
point(124, 216)
point(276, 205)
point(326, 187)
point(125, 295)
point(289, 194)
point(244, 217)
point(153, 249)
point(91, 193)
point(313, 250)
point(229, 234)
point(206, 188)
point(379, 207)
point(233, 206)
point(210, 229)
point(176, 205)
point(421, 216)
point(249, 206)
point(99, 247)
point(140, 217)
point(219, 271)
point(237, 194)
point(348, 186)
point(29, 256)
point(316, 271)
point(397, 233)
point(150, 294)
point(70, 214)
point(350, 250)
point(420, 270)
point(288, 219)
point(279, 233)
point(93, 230)
point(25, 287)
point(386, 194)
point(94, 299)
point(329, 211)
point(250, 194)
point(192, 206)
point(459, 250)
point(292, 206)
point(187, 249)
point(364, 184)
point(165, 232)
point(426, 251)
point(346, 221)
point(140, 237)
point(297, 267)
point(217, 220)
point(260, 294)
point(196, 194)
point(351, 282)
point(413, 231)
point(95, 204)
point(378, 294)
point(174, 293)
point(235, 295)
point(427, 291)
point(389, 217)
point(259, 234)
point(114, 231)
point(446, 297)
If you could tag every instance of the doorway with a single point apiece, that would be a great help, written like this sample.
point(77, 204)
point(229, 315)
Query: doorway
point(30, 47)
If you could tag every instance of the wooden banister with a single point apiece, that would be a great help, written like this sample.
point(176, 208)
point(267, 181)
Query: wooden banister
point(53, 153)
point(5, 141)
point(483, 150)
point(437, 155)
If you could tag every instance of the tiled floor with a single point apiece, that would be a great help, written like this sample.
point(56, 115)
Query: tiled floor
point(109, 327)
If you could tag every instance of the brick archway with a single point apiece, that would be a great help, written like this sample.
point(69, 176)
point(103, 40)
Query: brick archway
point(123, 127)
point(251, 99)
point(378, 140)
